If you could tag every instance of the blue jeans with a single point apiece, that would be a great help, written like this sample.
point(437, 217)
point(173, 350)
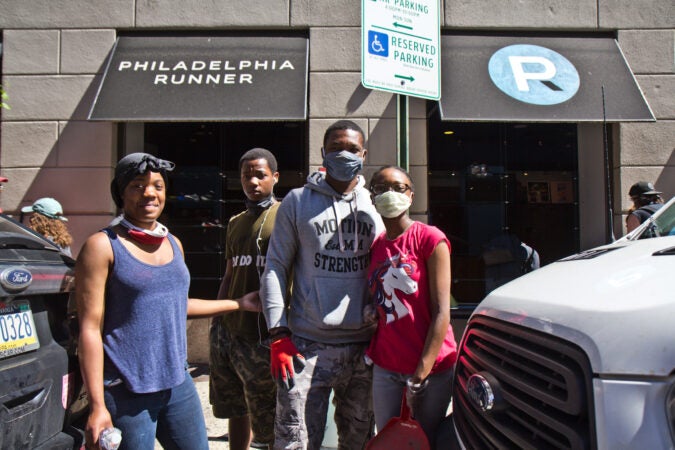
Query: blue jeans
point(174, 416)
point(388, 389)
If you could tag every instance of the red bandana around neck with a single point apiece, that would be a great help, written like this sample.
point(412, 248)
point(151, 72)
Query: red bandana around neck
point(150, 237)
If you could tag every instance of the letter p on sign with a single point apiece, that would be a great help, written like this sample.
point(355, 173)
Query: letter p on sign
point(533, 74)
point(519, 64)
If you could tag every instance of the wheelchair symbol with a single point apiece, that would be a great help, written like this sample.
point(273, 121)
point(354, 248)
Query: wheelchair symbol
point(378, 43)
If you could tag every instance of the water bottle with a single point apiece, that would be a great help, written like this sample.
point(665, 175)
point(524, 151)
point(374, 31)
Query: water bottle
point(110, 438)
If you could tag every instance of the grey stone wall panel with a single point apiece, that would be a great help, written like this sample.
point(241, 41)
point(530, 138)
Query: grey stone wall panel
point(86, 144)
point(20, 180)
point(417, 108)
point(49, 97)
point(525, 14)
point(636, 14)
point(419, 176)
point(331, 13)
point(83, 226)
point(335, 49)
point(28, 144)
point(85, 51)
point(659, 90)
point(662, 177)
point(212, 13)
point(30, 184)
point(647, 144)
point(342, 95)
point(649, 51)
point(382, 148)
point(30, 52)
point(67, 13)
point(417, 142)
point(382, 144)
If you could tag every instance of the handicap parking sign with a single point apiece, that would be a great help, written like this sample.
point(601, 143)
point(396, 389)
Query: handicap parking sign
point(400, 49)
point(378, 43)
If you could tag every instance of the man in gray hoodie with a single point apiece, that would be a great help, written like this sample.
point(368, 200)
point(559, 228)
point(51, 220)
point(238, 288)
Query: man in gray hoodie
point(319, 251)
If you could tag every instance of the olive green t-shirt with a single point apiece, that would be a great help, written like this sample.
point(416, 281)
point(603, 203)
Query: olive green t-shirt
point(248, 234)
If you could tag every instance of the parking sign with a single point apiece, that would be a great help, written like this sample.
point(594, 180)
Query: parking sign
point(400, 49)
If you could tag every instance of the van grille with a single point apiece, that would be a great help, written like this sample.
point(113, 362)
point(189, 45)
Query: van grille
point(542, 385)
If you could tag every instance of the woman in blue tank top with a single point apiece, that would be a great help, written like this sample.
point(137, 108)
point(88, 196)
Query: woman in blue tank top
point(132, 299)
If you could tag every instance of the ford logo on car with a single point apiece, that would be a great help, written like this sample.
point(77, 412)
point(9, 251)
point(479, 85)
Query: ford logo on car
point(480, 392)
point(15, 278)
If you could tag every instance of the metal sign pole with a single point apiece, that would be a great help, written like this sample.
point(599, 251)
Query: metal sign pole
point(402, 131)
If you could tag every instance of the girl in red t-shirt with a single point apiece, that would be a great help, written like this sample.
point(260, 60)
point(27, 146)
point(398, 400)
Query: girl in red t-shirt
point(409, 278)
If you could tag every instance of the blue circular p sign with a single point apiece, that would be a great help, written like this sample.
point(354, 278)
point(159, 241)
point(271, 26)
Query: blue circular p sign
point(533, 74)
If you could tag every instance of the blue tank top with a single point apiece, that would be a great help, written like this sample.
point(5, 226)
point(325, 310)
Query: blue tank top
point(144, 326)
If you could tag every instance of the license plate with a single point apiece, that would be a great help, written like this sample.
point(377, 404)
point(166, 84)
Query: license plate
point(17, 330)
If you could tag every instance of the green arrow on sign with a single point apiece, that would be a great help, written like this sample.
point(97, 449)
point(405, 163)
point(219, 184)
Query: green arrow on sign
point(396, 24)
point(411, 79)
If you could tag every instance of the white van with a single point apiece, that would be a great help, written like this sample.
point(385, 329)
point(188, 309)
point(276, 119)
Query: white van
point(579, 354)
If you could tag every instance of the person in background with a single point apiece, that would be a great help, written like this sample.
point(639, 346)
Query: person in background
point(413, 349)
point(131, 290)
point(646, 201)
point(321, 242)
point(48, 220)
point(241, 388)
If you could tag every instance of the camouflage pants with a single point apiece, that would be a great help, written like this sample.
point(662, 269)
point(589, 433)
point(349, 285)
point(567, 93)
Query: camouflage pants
point(301, 411)
point(240, 381)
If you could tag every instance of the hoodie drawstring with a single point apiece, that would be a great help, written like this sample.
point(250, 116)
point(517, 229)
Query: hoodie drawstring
point(354, 210)
point(337, 221)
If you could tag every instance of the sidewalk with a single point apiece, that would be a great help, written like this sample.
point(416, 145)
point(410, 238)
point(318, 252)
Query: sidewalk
point(215, 428)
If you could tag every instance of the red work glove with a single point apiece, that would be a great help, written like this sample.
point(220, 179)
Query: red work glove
point(284, 355)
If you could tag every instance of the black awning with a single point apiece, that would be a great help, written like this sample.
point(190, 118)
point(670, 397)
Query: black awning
point(538, 79)
point(204, 78)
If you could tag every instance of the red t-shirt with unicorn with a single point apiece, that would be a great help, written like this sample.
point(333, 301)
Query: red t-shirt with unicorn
point(399, 287)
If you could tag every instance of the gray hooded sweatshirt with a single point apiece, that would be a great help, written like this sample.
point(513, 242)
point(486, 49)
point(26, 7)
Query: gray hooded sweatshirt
point(322, 239)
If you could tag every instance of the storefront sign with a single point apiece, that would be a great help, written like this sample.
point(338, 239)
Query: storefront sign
point(204, 78)
point(400, 49)
point(538, 79)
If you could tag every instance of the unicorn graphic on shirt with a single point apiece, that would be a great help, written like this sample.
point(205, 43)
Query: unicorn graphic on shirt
point(393, 276)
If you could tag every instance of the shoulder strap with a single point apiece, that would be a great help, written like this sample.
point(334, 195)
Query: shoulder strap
point(652, 208)
point(644, 212)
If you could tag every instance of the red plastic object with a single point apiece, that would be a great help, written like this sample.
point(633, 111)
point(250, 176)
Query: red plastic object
point(400, 433)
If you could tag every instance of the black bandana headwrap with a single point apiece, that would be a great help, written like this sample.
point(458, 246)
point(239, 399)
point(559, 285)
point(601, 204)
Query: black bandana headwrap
point(136, 164)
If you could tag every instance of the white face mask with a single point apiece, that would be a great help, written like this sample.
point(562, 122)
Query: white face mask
point(392, 204)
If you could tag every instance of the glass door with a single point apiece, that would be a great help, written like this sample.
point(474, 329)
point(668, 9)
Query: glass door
point(495, 185)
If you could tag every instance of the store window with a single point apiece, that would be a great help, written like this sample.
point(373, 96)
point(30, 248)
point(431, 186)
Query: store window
point(205, 190)
point(493, 185)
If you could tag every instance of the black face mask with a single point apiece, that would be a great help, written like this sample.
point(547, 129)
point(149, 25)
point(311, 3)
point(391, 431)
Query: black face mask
point(260, 206)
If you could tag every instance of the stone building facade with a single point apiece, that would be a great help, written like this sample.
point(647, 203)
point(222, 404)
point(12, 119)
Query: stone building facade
point(54, 55)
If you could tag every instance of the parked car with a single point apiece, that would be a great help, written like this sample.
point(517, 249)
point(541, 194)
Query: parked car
point(41, 395)
point(579, 354)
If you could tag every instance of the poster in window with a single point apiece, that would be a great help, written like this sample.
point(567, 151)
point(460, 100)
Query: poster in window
point(538, 192)
point(561, 192)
